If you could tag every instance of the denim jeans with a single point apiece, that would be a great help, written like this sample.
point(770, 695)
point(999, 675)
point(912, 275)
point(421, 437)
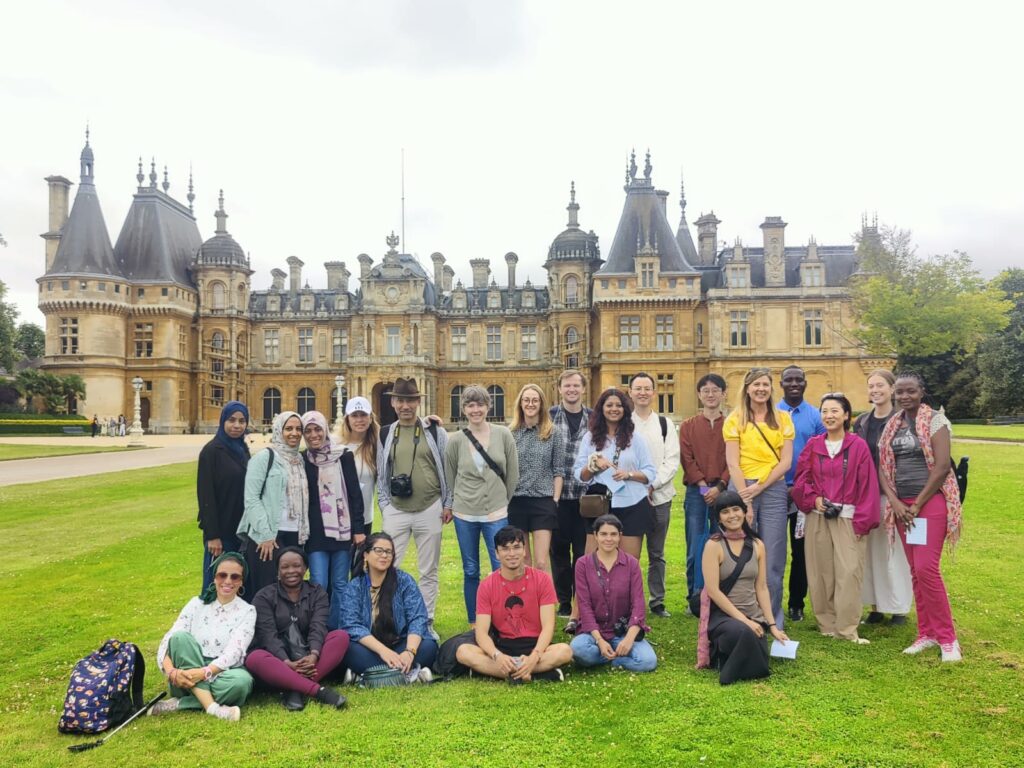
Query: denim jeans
point(359, 658)
point(641, 657)
point(468, 534)
point(230, 543)
point(696, 525)
point(330, 571)
point(771, 521)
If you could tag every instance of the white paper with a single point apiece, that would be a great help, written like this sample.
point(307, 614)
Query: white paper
point(606, 479)
point(785, 650)
point(919, 533)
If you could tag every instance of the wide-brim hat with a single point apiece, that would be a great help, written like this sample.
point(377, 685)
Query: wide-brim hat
point(404, 388)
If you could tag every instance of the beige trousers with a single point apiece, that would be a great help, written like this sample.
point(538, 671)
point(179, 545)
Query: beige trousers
point(835, 570)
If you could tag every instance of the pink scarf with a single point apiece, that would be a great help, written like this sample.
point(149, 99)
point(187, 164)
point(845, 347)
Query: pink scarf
point(703, 642)
point(330, 481)
point(887, 464)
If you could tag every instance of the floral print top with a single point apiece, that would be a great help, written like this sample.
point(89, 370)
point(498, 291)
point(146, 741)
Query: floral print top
point(222, 631)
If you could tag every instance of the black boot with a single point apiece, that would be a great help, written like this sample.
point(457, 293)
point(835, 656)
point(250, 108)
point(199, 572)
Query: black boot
point(331, 698)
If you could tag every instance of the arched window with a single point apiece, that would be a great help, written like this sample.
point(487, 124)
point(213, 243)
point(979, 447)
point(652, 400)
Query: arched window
point(217, 295)
point(271, 404)
point(571, 336)
point(307, 400)
point(497, 412)
point(572, 289)
point(456, 402)
point(217, 340)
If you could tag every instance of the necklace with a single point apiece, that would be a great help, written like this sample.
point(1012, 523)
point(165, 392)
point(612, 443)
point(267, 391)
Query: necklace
point(525, 578)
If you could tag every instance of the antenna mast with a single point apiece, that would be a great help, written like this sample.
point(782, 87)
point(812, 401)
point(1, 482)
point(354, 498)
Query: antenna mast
point(405, 245)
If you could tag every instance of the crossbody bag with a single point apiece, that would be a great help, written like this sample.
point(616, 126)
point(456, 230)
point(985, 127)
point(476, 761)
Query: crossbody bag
point(483, 454)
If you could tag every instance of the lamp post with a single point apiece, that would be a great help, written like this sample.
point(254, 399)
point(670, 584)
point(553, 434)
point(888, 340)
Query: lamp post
point(339, 386)
point(135, 433)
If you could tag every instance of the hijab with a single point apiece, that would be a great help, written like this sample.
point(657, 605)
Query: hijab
point(296, 489)
point(236, 445)
point(209, 594)
point(330, 481)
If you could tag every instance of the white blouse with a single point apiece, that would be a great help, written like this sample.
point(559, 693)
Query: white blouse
point(222, 631)
point(367, 482)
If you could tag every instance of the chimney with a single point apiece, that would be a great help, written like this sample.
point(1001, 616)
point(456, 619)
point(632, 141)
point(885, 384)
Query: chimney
point(438, 259)
point(365, 262)
point(774, 231)
point(511, 259)
point(663, 199)
point(449, 273)
point(812, 249)
point(337, 276)
point(707, 237)
point(481, 269)
point(294, 274)
point(279, 275)
point(737, 250)
point(59, 187)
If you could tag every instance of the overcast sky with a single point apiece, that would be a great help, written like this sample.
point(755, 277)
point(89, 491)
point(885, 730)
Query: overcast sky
point(813, 111)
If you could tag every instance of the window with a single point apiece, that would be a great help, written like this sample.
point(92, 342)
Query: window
point(494, 342)
point(217, 295)
point(629, 332)
point(271, 403)
point(572, 290)
point(666, 392)
point(664, 325)
point(69, 335)
point(647, 275)
point(738, 329)
point(737, 277)
point(339, 351)
point(117, 288)
point(217, 340)
point(700, 334)
point(571, 336)
point(141, 292)
point(812, 276)
point(240, 347)
point(181, 402)
point(493, 301)
point(456, 402)
point(49, 285)
point(217, 368)
point(182, 342)
point(217, 395)
point(65, 285)
point(459, 353)
point(622, 285)
point(528, 299)
point(143, 339)
point(812, 327)
point(305, 346)
point(164, 292)
point(271, 346)
point(307, 400)
point(497, 412)
point(100, 286)
point(528, 340)
point(392, 341)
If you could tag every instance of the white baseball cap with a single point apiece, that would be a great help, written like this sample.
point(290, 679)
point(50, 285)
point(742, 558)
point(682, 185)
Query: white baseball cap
point(360, 404)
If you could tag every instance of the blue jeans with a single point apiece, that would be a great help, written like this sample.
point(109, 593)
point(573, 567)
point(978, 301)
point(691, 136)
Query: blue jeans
point(641, 657)
point(697, 514)
point(468, 535)
point(330, 571)
point(771, 522)
point(230, 544)
point(359, 658)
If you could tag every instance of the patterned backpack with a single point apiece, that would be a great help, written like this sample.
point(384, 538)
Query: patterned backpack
point(105, 689)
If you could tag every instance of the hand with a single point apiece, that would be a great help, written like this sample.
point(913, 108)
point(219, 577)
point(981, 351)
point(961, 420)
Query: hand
point(711, 495)
point(187, 678)
point(606, 649)
point(506, 664)
point(436, 419)
point(779, 635)
point(756, 627)
point(215, 547)
point(405, 660)
point(266, 550)
point(913, 510)
point(750, 515)
point(625, 646)
point(750, 492)
point(446, 515)
point(391, 658)
point(819, 504)
point(621, 474)
point(602, 463)
point(359, 538)
point(526, 666)
point(306, 666)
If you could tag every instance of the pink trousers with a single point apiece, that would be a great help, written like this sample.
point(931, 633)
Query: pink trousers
point(934, 617)
point(275, 673)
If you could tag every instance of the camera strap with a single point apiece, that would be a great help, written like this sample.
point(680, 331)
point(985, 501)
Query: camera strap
point(846, 460)
point(415, 445)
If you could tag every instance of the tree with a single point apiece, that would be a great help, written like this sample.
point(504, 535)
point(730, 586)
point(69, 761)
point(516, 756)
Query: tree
point(30, 341)
point(1001, 358)
point(73, 389)
point(55, 391)
point(8, 330)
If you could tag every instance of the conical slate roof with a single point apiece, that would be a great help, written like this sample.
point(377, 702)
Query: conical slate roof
point(683, 237)
point(159, 239)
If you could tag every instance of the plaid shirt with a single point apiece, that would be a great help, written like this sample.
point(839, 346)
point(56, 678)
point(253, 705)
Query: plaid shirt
point(572, 488)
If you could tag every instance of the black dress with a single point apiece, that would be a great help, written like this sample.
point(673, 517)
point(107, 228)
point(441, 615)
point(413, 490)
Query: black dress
point(735, 649)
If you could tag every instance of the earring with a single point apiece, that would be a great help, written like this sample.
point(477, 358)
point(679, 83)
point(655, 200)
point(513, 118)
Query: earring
point(241, 591)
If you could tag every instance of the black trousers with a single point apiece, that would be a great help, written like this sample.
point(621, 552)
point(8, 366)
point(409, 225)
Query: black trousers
point(262, 573)
point(568, 544)
point(739, 653)
point(797, 566)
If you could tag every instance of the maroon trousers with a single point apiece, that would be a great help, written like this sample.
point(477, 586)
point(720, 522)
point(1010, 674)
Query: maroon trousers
point(275, 673)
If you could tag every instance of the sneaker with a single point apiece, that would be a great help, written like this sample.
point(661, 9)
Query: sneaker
point(413, 675)
point(293, 701)
point(231, 714)
point(951, 651)
point(331, 698)
point(861, 641)
point(425, 675)
point(433, 632)
point(349, 678)
point(898, 620)
point(571, 626)
point(660, 612)
point(552, 675)
point(796, 614)
point(564, 610)
point(874, 618)
point(164, 706)
point(921, 644)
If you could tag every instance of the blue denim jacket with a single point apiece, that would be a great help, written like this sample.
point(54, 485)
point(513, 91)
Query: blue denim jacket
point(409, 609)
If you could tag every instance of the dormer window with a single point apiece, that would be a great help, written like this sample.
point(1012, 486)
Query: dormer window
point(528, 299)
point(647, 275)
point(459, 301)
point(493, 301)
point(812, 276)
point(273, 304)
point(736, 277)
point(307, 303)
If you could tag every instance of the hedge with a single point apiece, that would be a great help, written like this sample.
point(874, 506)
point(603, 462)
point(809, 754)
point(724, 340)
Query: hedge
point(32, 418)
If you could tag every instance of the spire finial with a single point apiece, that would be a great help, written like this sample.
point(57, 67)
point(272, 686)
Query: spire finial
point(573, 207)
point(140, 176)
point(152, 173)
point(87, 133)
point(572, 191)
point(191, 196)
point(221, 215)
point(682, 193)
point(167, 184)
point(632, 165)
point(647, 166)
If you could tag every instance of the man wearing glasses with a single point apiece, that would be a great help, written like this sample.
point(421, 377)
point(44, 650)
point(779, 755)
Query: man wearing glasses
point(705, 472)
point(519, 602)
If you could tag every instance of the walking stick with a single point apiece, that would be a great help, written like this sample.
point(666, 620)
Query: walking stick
point(99, 742)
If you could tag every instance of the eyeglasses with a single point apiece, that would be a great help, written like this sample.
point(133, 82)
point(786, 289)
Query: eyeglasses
point(221, 576)
point(710, 391)
point(382, 552)
point(530, 401)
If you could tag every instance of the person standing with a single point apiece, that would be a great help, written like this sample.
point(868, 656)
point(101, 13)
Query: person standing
point(807, 424)
point(569, 540)
point(663, 442)
point(705, 471)
point(95, 424)
point(414, 496)
point(359, 434)
point(886, 572)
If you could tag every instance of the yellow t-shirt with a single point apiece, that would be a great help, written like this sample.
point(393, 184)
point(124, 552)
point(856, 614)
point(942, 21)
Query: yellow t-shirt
point(756, 458)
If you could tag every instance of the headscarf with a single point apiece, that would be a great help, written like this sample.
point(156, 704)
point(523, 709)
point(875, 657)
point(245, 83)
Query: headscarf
point(236, 445)
point(296, 490)
point(209, 594)
point(331, 481)
point(887, 465)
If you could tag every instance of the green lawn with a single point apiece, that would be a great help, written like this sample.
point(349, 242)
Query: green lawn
point(118, 555)
point(1008, 432)
point(9, 452)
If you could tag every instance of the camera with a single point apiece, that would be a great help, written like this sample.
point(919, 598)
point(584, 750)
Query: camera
point(832, 510)
point(401, 486)
point(622, 626)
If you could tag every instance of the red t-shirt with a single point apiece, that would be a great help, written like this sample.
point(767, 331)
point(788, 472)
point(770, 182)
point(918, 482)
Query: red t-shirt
point(514, 606)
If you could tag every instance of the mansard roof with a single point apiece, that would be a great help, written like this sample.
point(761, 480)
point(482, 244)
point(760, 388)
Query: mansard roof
point(840, 263)
point(476, 299)
point(159, 239)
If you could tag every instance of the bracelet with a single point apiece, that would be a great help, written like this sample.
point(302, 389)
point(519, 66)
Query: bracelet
point(772, 624)
point(410, 650)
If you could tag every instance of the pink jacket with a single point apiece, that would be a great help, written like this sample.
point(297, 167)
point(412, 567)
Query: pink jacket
point(819, 475)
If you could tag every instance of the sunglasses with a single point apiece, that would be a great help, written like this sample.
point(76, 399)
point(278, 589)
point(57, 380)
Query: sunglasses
point(221, 576)
point(382, 552)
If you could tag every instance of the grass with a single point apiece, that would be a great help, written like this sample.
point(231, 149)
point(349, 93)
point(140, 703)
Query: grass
point(11, 452)
point(124, 557)
point(1005, 432)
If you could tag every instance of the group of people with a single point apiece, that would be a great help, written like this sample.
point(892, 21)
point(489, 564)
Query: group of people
point(114, 427)
point(563, 500)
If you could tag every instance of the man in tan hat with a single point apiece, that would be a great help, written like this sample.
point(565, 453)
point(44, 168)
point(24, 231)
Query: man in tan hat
point(414, 497)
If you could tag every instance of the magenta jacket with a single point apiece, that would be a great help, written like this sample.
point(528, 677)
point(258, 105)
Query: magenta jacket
point(819, 475)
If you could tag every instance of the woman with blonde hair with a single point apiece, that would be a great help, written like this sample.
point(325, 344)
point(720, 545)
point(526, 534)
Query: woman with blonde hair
point(358, 433)
point(534, 504)
point(759, 451)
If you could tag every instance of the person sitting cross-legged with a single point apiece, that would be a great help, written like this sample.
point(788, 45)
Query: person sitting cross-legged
point(519, 602)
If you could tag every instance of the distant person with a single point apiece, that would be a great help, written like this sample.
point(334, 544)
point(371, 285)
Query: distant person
point(916, 474)
point(122, 425)
point(95, 425)
point(220, 485)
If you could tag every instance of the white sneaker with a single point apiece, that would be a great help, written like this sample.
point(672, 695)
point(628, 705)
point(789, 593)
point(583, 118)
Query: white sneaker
point(413, 675)
point(425, 675)
point(232, 714)
point(951, 651)
point(349, 678)
point(432, 632)
point(164, 706)
point(921, 644)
